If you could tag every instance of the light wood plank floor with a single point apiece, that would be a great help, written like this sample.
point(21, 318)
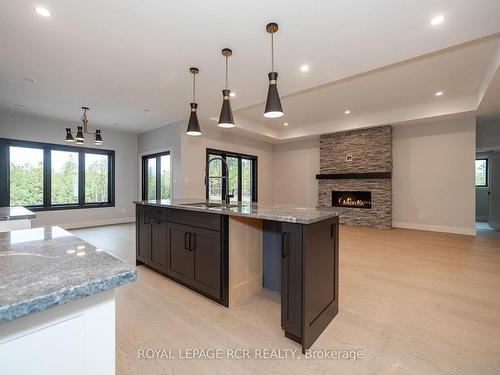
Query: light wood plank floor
point(414, 302)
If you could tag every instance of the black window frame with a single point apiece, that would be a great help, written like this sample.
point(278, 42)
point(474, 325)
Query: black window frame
point(145, 159)
point(6, 143)
point(486, 181)
point(224, 154)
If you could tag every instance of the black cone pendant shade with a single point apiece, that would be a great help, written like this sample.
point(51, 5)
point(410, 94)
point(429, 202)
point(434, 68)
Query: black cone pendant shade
point(98, 138)
point(79, 135)
point(226, 119)
point(273, 103)
point(193, 124)
point(69, 136)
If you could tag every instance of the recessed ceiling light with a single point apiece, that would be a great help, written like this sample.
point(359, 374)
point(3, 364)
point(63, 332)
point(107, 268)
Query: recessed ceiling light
point(44, 12)
point(304, 68)
point(285, 123)
point(439, 93)
point(232, 94)
point(30, 80)
point(437, 20)
point(347, 112)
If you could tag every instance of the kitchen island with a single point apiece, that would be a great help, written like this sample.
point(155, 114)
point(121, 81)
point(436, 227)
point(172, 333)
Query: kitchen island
point(227, 253)
point(12, 218)
point(57, 304)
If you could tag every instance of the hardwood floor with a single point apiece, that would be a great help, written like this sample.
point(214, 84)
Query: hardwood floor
point(414, 302)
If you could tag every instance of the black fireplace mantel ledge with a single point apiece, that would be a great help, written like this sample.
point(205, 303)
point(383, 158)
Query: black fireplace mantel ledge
point(354, 176)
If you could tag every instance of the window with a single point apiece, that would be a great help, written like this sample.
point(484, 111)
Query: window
point(242, 177)
point(481, 172)
point(156, 176)
point(96, 178)
point(64, 179)
point(26, 176)
point(46, 176)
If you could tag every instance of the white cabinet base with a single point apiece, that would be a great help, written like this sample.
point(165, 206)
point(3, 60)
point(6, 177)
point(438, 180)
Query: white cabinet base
point(8, 225)
point(77, 338)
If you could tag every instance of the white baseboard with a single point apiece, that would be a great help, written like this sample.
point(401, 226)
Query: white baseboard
point(97, 223)
point(436, 228)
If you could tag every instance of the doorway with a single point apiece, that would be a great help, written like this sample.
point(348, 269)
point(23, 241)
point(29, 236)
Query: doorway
point(487, 169)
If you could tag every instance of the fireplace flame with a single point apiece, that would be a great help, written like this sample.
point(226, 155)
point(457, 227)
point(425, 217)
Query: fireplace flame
point(353, 202)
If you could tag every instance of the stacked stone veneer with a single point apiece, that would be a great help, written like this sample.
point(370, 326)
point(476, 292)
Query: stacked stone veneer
point(371, 151)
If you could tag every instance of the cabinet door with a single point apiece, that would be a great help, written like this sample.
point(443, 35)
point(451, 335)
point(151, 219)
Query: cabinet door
point(179, 256)
point(143, 235)
point(159, 245)
point(291, 280)
point(321, 278)
point(206, 247)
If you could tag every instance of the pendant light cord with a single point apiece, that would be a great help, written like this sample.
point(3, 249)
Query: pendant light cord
point(272, 52)
point(194, 86)
point(227, 80)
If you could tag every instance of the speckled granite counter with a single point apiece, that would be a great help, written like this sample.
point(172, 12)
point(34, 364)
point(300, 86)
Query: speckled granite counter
point(15, 213)
point(45, 267)
point(275, 212)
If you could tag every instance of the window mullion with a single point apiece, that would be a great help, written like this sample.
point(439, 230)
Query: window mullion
point(47, 177)
point(240, 179)
point(111, 167)
point(158, 177)
point(254, 180)
point(4, 174)
point(81, 178)
point(225, 181)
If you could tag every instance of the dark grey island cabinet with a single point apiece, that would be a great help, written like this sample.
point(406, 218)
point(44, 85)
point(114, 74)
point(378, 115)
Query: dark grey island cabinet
point(191, 254)
point(192, 248)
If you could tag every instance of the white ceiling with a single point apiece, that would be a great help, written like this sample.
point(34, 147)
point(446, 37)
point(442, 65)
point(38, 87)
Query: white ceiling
point(121, 56)
point(489, 107)
point(401, 92)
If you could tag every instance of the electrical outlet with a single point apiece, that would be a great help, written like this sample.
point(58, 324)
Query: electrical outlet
point(348, 157)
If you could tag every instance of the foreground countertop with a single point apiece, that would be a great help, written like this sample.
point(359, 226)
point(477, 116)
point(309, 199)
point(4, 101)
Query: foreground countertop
point(15, 213)
point(275, 212)
point(44, 267)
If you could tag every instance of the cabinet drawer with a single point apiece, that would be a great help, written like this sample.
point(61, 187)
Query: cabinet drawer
point(160, 214)
point(195, 219)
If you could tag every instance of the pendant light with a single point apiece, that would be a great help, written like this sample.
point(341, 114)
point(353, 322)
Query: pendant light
point(193, 124)
point(69, 135)
point(226, 119)
point(273, 102)
point(81, 130)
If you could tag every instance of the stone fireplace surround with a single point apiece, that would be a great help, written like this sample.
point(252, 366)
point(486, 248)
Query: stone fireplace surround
point(359, 160)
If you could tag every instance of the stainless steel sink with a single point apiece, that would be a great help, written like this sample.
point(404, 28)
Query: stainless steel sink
point(210, 205)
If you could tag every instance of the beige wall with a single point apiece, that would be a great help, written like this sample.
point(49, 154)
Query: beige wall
point(189, 157)
point(18, 125)
point(165, 138)
point(295, 167)
point(431, 159)
point(194, 160)
point(433, 176)
point(488, 136)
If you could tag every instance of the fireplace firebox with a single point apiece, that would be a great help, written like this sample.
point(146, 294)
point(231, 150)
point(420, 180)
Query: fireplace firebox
point(352, 199)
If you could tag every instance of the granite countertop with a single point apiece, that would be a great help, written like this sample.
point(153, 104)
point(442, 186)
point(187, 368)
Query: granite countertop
point(41, 268)
point(276, 212)
point(15, 213)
